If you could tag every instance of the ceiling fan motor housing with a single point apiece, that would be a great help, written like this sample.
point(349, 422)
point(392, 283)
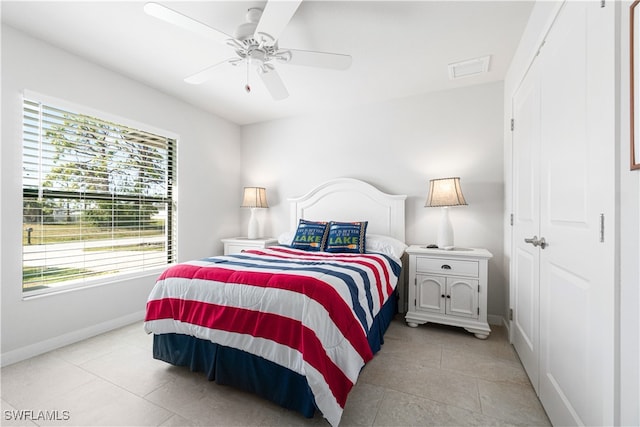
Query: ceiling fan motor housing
point(246, 30)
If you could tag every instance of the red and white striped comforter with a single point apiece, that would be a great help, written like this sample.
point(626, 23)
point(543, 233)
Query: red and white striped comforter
point(307, 311)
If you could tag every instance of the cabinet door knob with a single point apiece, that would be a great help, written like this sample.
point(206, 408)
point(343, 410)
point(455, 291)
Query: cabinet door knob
point(445, 267)
point(442, 296)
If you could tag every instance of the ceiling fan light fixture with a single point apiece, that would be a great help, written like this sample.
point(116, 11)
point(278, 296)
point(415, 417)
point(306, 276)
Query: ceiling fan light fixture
point(258, 56)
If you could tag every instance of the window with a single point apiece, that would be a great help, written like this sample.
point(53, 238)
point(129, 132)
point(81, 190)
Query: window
point(97, 199)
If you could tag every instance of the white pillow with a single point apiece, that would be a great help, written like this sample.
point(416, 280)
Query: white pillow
point(286, 238)
point(385, 244)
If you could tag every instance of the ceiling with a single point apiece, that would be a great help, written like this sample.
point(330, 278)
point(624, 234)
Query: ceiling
point(399, 48)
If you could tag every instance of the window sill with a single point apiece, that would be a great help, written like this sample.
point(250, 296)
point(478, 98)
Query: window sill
point(94, 283)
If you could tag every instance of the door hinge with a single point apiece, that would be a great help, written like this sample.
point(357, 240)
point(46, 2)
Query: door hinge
point(602, 3)
point(601, 228)
point(512, 125)
point(478, 288)
point(478, 311)
point(511, 220)
point(511, 314)
point(415, 302)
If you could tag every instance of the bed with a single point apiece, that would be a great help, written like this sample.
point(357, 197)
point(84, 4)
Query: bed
point(292, 323)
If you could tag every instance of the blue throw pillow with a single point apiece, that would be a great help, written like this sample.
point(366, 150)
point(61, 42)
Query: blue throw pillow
point(310, 235)
point(347, 237)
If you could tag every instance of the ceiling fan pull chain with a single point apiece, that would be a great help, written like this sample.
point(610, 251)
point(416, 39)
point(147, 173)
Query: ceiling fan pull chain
point(247, 87)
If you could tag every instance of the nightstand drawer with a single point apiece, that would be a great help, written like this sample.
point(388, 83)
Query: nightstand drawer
point(236, 245)
point(447, 266)
point(236, 249)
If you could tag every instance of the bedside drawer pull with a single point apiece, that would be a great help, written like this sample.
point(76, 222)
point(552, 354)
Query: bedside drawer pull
point(445, 267)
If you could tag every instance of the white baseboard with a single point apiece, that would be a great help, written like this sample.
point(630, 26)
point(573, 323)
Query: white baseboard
point(494, 319)
point(32, 350)
point(507, 325)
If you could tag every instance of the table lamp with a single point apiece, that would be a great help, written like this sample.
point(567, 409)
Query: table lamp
point(254, 198)
point(445, 192)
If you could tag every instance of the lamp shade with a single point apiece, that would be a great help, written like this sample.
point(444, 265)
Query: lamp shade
point(445, 192)
point(254, 197)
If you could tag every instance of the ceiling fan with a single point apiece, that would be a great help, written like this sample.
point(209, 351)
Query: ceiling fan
point(255, 43)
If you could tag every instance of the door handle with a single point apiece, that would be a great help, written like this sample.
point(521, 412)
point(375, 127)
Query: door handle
point(542, 243)
point(533, 240)
point(537, 242)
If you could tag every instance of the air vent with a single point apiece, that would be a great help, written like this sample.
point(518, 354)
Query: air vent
point(470, 67)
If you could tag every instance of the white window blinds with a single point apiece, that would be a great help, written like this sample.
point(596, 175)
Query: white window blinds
point(97, 199)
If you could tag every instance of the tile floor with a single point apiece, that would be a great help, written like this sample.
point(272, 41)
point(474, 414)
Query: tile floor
point(430, 375)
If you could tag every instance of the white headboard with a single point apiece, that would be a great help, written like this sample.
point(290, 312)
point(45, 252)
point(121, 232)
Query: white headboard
point(348, 199)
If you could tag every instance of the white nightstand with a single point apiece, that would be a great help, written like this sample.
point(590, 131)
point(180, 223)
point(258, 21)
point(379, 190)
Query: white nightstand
point(449, 287)
point(236, 245)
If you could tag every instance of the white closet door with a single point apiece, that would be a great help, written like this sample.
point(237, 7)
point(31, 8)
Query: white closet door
point(526, 257)
point(577, 328)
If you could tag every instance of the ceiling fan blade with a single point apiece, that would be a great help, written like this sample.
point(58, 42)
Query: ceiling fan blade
point(176, 18)
point(309, 58)
point(274, 84)
point(206, 74)
point(276, 16)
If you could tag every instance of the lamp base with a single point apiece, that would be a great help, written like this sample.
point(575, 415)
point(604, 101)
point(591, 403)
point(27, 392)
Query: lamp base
point(253, 231)
point(445, 231)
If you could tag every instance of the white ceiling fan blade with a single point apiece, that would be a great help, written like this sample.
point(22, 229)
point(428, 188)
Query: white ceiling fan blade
point(176, 18)
point(206, 74)
point(274, 84)
point(309, 58)
point(276, 16)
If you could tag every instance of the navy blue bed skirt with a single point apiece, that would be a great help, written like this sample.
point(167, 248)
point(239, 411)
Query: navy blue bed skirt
point(242, 370)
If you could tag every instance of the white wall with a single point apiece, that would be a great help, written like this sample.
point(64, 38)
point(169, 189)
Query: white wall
point(208, 190)
point(397, 146)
